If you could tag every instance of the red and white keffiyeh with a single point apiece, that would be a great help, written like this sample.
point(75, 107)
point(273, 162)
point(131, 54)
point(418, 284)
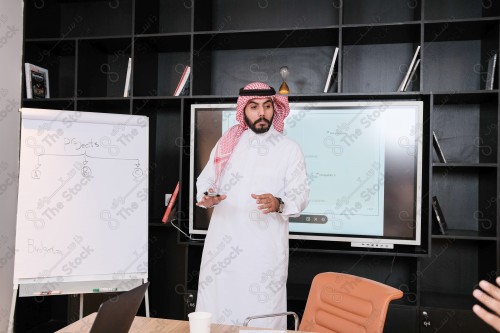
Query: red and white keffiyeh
point(229, 140)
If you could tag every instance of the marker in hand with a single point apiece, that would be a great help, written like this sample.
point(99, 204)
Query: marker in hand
point(210, 199)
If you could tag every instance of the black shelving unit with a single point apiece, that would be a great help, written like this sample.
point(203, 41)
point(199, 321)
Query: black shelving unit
point(86, 45)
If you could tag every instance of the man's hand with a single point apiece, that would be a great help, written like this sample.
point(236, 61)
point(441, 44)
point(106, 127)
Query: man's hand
point(490, 297)
point(267, 203)
point(209, 201)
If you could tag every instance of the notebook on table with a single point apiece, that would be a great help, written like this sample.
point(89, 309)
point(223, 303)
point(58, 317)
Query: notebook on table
point(117, 314)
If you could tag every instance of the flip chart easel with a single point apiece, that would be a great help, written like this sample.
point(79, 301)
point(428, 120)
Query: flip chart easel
point(82, 220)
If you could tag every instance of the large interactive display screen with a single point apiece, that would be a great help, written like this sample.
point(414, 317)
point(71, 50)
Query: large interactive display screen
point(364, 166)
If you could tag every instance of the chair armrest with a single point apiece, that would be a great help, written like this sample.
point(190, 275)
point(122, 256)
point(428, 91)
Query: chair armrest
point(289, 313)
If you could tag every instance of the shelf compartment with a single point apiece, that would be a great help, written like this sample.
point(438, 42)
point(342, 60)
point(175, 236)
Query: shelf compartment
point(227, 15)
point(159, 63)
point(102, 66)
point(381, 11)
point(164, 145)
point(64, 19)
point(375, 58)
point(467, 133)
point(467, 198)
point(58, 57)
point(104, 105)
point(375, 68)
point(472, 97)
point(164, 253)
point(453, 9)
point(470, 234)
point(50, 103)
point(193, 268)
point(443, 31)
point(465, 264)
point(162, 16)
point(456, 54)
point(223, 63)
point(381, 34)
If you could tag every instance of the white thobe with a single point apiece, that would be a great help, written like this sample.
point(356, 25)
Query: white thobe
point(244, 265)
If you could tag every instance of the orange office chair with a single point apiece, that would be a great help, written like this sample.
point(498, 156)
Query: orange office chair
point(344, 303)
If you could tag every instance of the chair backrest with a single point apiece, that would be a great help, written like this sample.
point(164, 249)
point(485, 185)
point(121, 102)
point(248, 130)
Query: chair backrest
point(343, 303)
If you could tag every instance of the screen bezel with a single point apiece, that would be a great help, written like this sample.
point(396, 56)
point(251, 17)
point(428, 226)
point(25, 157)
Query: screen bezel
point(377, 241)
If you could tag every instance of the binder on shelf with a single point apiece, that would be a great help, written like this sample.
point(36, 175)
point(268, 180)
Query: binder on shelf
point(171, 216)
point(412, 75)
point(438, 217)
point(410, 69)
point(183, 82)
point(437, 147)
point(37, 81)
point(490, 75)
point(126, 91)
point(171, 204)
point(330, 72)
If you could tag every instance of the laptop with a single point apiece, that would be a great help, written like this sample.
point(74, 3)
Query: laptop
point(117, 314)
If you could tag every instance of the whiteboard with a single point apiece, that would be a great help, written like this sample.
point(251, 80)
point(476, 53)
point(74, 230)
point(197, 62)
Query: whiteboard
point(83, 198)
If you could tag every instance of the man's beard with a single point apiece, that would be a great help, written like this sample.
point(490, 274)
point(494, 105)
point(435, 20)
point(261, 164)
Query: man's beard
point(258, 128)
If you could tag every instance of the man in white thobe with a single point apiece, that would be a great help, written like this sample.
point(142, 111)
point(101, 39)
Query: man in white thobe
point(255, 179)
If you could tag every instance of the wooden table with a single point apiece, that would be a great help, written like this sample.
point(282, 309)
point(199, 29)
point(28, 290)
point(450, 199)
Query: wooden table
point(149, 325)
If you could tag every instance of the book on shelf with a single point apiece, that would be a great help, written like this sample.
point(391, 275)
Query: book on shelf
point(171, 216)
point(330, 72)
point(437, 148)
point(412, 75)
point(490, 75)
point(410, 69)
point(185, 90)
point(171, 204)
point(438, 217)
point(126, 91)
point(183, 85)
point(37, 81)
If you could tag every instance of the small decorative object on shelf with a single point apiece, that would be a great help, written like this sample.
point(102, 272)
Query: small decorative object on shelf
point(37, 81)
point(284, 71)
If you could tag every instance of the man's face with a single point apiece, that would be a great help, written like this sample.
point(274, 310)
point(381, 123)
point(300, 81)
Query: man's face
point(259, 114)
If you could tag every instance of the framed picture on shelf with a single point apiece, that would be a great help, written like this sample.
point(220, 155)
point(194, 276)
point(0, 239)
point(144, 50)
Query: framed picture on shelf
point(37, 81)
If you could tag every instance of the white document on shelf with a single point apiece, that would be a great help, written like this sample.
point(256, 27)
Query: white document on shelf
point(330, 73)
point(412, 75)
point(410, 68)
point(126, 92)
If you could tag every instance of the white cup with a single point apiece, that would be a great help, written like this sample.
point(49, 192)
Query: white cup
point(199, 322)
